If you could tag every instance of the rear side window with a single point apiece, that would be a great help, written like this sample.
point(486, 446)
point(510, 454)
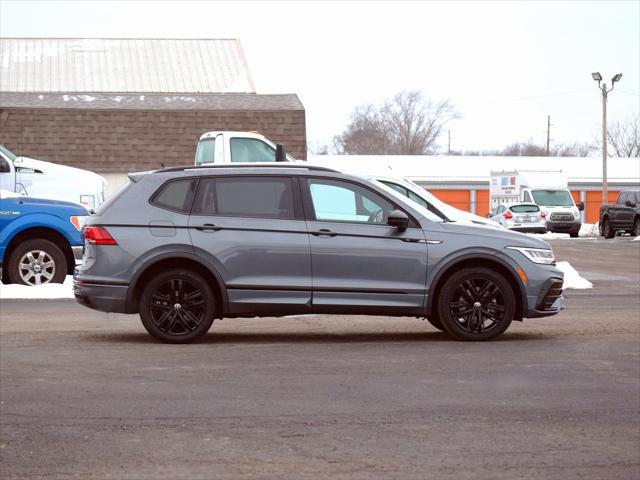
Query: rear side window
point(525, 208)
point(253, 197)
point(176, 195)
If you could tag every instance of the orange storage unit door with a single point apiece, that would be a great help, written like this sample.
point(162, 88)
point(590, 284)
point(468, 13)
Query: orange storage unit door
point(482, 202)
point(455, 198)
point(593, 203)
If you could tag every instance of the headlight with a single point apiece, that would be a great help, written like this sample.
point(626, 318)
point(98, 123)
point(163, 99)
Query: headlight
point(576, 215)
point(89, 201)
point(537, 255)
point(78, 221)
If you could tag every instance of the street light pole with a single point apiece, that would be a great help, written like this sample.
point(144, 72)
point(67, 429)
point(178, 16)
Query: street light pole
point(598, 78)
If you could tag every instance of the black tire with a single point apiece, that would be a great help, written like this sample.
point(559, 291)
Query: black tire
point(636, 227)
point(177, 306)
point(35, 262)
point(435, 321)
point(470, 298)
point(607, 231)
point(574, 233)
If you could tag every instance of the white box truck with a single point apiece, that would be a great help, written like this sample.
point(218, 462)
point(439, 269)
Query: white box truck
point(547, 189)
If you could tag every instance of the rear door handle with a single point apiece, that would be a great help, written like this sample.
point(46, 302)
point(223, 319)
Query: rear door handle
point(208, 227)
point(324, 232)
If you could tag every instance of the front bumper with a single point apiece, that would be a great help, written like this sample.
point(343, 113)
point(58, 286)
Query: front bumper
point(564, 226)
point(548, 301)
point(101, 296)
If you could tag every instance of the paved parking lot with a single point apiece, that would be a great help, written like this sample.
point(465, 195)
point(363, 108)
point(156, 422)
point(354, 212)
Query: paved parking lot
point(88, 395)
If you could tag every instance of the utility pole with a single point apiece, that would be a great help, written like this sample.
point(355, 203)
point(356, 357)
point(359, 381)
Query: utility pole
point(603, 88)
point(449, 147)
point(548, 132)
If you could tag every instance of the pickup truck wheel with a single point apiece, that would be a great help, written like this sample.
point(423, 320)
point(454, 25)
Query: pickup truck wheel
point(636, 227)
point(177, 306)
point(37, 262)
point(607, 231)
point(476, 304)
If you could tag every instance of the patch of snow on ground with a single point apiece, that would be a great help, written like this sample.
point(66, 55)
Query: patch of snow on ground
point(637, 239)
point(572, 278)
point(589, 230)
point(47, 291)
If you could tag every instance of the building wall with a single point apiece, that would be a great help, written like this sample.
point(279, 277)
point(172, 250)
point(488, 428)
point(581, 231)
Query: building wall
point(134, 140)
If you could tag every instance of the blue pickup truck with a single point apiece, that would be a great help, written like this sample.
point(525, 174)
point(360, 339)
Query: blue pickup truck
point(39, 239)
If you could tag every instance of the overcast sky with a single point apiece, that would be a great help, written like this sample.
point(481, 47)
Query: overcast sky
point(505, 65)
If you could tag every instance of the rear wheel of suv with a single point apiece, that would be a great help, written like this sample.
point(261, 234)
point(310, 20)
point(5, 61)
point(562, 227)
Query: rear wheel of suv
point(177, 306)
point(607, 231)
point(636, 227)
point(476, 304)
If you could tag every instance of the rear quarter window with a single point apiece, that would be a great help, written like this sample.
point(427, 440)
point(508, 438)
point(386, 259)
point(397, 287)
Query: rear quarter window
point(175, 195)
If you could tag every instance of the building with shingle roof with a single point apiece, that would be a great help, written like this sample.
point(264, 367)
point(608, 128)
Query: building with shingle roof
point(119, 105)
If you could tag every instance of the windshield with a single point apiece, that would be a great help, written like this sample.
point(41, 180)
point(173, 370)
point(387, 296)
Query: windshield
point(524, 208)
point(552, 198)
point(8, 153)
point(402, 199)
point(206, 151)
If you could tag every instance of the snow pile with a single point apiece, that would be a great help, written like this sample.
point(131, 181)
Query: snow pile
point(589, 230)
point(5, 194)
point(48, 291)
point(572, 278)
point(637, 239)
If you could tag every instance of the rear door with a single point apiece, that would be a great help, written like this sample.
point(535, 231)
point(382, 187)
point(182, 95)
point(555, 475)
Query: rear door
point(251, 228)
point(360, 264)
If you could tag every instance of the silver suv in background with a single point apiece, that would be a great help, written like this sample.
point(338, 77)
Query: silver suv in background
point(183, 246)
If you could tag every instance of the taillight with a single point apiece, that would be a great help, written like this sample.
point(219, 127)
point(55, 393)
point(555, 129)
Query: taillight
point(543, 215)
point(98, 236)
point(507, 215)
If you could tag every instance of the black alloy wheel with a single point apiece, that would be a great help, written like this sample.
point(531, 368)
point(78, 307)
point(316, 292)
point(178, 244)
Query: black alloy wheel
point(177, 306)
point(476, 304)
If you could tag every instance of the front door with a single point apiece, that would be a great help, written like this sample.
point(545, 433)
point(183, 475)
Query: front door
point(359, 263)
point(252, 230)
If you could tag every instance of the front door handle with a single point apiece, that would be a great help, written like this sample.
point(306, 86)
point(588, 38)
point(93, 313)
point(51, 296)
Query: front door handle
point(324, 232)
point(208, 227)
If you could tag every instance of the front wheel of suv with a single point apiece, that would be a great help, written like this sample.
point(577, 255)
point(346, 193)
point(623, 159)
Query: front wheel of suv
point(177, 306)
point(476, 304)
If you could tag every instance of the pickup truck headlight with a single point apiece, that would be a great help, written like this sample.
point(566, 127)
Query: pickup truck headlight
point(537, 255)
point(89, 201)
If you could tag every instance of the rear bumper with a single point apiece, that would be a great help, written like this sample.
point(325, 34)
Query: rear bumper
point(530, 229)
point(100, 296)
point(77, 253)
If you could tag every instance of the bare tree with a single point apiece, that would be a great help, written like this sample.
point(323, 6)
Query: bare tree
point(531, 149)
point(406, 124)
point(624, 138)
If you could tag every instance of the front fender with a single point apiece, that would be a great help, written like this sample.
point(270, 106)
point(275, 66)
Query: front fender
point(441, 267)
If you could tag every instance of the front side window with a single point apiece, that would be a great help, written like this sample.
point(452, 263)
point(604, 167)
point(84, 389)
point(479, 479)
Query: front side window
point(251, 150)
point(176, 195)
point(254, 197)
point(206, 151)
point(342, 201)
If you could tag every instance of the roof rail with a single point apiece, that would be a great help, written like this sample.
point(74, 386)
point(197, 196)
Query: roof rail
point(250, 165)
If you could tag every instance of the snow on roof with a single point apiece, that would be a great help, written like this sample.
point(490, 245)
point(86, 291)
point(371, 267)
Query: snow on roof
point(88, 65)
point(463, 169)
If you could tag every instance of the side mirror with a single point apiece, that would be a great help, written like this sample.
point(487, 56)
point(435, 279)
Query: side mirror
point(398, 219)
point(581, 206)
point(629, 204)
point(281, 153)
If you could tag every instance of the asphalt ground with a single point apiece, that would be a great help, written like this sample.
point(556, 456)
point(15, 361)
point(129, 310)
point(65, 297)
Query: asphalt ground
point(88, 395)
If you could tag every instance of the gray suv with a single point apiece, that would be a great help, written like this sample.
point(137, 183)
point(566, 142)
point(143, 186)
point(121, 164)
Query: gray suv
point(183, 246)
